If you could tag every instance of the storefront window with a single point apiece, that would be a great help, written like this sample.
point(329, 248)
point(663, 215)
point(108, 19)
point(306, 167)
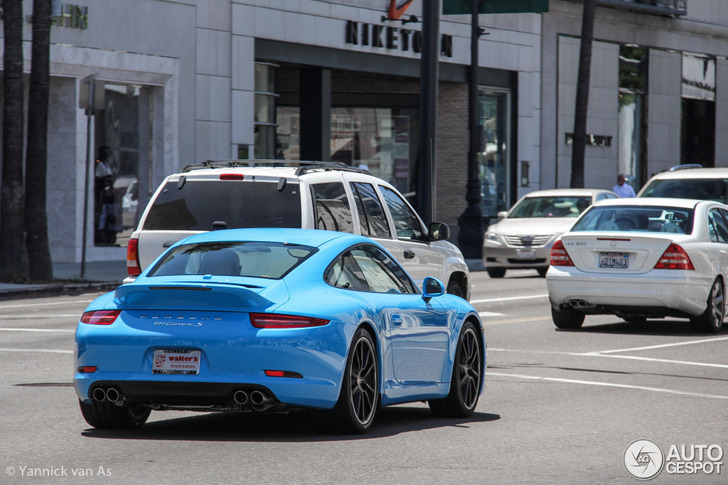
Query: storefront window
point(381, 140)
point(116, 169)
point(265, 111)
point(493, 156)
point(698, 110)
point(632, 90)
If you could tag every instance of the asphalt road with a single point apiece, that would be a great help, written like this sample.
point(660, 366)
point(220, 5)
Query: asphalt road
point(560, 407)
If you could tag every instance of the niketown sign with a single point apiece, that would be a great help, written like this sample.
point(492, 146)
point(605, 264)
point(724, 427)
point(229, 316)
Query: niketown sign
point(392, 38)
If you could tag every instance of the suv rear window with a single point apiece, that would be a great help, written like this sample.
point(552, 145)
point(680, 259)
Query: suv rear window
point(704, 189)
point(197, 204)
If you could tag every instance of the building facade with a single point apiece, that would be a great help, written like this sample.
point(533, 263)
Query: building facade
point(178, 82)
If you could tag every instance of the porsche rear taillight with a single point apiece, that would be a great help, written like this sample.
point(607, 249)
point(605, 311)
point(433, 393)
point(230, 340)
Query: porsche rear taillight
point(100, 317)
point(559, 256)
point(272, 320)
point(674, 257)
point(133, 268)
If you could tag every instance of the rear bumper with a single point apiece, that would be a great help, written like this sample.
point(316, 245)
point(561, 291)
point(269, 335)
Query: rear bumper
point(674, 292)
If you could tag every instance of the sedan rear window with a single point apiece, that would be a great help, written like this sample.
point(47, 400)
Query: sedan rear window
point(550, 207)
point(635, 218)
point(703, 189)
point(196, 204)
point(254, 259)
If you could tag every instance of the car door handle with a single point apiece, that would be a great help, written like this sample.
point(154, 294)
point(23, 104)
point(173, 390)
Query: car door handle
point(396, 319)
point(409, 254)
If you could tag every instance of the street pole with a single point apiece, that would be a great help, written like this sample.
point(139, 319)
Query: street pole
point(429, 75)
point(90, 80)
point(470, 237)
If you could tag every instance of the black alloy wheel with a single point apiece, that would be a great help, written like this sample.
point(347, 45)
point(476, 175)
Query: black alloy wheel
point(467, 375)
point(359, 397)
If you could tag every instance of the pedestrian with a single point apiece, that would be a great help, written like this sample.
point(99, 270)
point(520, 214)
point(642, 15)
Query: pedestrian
point(623, 189)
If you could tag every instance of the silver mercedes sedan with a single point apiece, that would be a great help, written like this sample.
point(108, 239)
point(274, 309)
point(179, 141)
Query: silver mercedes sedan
point(522, 237)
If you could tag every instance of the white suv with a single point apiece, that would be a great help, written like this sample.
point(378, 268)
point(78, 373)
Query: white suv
point(318, 195)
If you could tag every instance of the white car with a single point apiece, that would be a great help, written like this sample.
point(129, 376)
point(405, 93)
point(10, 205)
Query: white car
point(309, 195)
point(522, 237)
point(642, 258)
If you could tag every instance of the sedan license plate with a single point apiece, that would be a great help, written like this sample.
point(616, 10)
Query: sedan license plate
point(614, 260)
point(526, 254)
point(176, 362)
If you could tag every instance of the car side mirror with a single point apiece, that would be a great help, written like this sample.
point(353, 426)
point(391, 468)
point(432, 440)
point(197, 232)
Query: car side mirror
point(502, 215)
point(439, 231)
point(432, 287)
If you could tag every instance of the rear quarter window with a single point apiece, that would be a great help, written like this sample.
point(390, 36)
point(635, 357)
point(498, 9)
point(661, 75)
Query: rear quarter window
point(198, 204)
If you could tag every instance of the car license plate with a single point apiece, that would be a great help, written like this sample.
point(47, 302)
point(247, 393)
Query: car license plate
point(526, 254)
point(614, 260)
point(176, 362)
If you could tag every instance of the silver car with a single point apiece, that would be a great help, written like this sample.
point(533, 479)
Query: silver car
point(522, 237)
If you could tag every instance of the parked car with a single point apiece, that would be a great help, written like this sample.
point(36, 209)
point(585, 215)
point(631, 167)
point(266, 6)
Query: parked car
point(256, 320)
point(642, 258)
point(308, 195)
point(522, 237)
point(689, 182)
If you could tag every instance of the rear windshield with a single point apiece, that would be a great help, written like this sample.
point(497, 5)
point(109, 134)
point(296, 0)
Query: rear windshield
point(550, 207)
point(256, 259)
point(634, 218)
point(198, 204)
point(703, 189)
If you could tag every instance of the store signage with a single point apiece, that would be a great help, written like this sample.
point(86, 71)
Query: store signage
point(391, 38)
point(591, 140)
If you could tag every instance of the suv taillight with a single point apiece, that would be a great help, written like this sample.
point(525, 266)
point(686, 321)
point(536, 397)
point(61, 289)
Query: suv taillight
point(674, 257)
point(559, 256)
point(133, 268)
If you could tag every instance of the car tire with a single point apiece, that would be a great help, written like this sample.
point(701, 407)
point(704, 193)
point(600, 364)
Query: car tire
point(467, 377)
point(359, 397)
point(542, 272)
point(711, 320)
point(566, 318)
point(496, 272)
point(454, 288)
point(106, 415)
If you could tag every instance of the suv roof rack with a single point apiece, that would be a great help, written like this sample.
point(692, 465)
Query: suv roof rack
point(302, 166)
point(685, 166)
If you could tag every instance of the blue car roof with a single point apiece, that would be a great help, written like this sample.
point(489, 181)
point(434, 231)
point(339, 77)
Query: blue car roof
point(306, 237)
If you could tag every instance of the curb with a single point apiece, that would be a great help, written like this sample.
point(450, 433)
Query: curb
point(50, 289)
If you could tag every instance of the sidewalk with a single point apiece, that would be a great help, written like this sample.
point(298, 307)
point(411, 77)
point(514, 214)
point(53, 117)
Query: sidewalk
point(98, 276)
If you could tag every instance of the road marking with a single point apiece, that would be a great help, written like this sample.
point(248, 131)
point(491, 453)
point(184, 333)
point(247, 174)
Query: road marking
point(39, 317)
point(61, 330)
point(48, 351)
point(597, 354)
point(33, 305)
point(508, 298)
point(607, 384)
point(663, 346)
point(491, 314)
point(519, 320)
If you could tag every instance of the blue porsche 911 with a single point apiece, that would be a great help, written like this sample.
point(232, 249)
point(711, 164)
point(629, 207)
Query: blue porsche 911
point(276, 320)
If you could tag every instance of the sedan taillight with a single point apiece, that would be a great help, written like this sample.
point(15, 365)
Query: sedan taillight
point(272, 320)
point(133, 268)
point(674, 257)
point(100, 317)
point(559, 256)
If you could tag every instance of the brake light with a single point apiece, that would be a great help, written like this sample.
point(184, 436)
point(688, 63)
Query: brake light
point(133, 268)
point(674, 257)
point(100, 317)
point(559, 256)
point(271, 320)
point(231, 176)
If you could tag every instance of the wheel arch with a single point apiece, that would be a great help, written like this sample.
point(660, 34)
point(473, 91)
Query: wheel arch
point(461, 278)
